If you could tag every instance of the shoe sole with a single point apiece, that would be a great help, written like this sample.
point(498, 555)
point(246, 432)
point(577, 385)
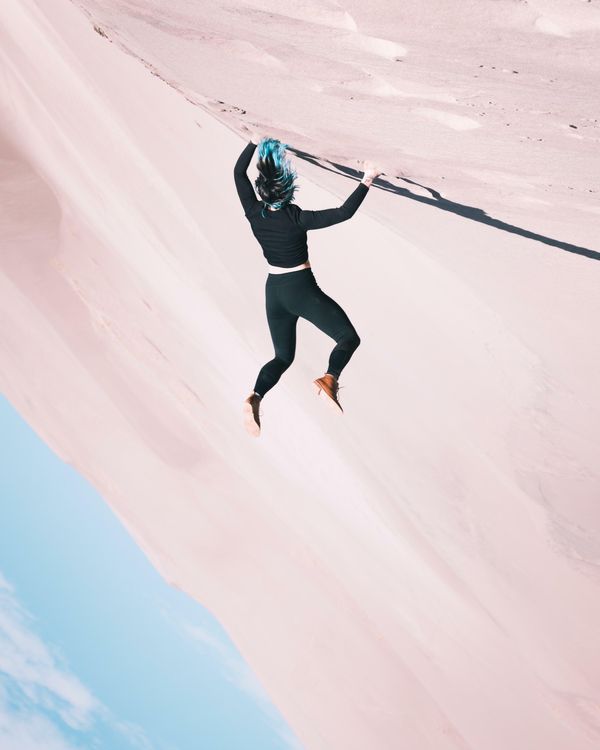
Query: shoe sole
point(318, 388)
point(249, 422)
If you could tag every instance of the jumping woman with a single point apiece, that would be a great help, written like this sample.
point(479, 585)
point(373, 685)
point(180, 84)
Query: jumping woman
point(291, 289)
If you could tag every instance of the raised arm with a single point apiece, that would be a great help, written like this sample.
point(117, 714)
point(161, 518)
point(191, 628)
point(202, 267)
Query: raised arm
point(242, 183)
point(327, 217)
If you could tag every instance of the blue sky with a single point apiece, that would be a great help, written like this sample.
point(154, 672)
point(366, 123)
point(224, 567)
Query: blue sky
point(96, 650)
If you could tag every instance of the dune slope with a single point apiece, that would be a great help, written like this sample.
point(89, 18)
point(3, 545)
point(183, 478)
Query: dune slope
point(421, 572)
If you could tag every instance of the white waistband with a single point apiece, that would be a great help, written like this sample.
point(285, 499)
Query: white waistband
point(279, 269)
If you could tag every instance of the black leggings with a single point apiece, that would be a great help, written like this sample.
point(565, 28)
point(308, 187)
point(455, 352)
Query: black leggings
point(293, 295)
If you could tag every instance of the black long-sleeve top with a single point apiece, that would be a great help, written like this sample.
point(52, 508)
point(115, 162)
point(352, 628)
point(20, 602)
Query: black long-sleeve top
point(282, 233)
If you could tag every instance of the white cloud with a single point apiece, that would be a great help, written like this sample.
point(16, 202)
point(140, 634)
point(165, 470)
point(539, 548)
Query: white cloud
point(134, 733)
point(35, 682)
point(25, 658)
point(26, 730)
point(237, 672)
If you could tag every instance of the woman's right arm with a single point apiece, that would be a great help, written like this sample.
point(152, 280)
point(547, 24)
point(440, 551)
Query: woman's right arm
point(329, 216)
point(320, 219)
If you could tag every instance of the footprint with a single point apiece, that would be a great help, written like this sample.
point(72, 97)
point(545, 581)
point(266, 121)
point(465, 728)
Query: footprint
point(217, 105)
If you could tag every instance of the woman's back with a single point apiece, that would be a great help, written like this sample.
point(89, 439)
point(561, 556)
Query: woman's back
point(282, 233)
point(282, 239)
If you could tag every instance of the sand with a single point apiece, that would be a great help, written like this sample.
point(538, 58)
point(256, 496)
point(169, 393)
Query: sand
point(421, 572)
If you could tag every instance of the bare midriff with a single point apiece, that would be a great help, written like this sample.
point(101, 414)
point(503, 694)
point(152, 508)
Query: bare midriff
point(279, 269)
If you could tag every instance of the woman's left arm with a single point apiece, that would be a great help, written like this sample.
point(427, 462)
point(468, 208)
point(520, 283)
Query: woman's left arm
point(243, 185)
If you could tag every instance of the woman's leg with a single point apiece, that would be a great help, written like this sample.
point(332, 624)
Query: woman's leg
point(282, 325)
point(325, 313)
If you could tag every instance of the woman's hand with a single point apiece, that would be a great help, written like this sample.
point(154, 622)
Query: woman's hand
point(371, 171)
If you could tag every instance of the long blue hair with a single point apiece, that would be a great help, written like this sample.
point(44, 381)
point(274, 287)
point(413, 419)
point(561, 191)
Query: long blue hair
point(276, 177)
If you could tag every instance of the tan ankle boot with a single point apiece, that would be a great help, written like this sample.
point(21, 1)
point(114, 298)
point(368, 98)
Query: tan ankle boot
point(329, 385)
point(251, 414)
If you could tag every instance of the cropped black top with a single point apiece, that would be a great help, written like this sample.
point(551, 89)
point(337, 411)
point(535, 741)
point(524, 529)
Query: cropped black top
point(282, 233)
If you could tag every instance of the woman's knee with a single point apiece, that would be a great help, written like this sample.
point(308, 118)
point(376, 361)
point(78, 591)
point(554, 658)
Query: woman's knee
point(350, 339)
point(285, 359)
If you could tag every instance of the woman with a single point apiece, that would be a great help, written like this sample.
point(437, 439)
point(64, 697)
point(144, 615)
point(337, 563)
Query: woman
point(291, 289)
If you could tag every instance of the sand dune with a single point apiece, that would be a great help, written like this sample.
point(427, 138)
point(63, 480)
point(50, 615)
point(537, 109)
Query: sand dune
point(423, 572)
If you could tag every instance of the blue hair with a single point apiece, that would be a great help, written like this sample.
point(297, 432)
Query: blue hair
point(276, 179)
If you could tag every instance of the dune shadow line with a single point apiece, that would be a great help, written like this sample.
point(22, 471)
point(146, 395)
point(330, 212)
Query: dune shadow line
point(438, 201)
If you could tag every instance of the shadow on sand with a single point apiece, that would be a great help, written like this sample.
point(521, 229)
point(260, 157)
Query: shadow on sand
point(436, 200)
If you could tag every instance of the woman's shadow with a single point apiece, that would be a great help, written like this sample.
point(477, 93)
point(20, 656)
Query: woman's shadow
point(469, 212)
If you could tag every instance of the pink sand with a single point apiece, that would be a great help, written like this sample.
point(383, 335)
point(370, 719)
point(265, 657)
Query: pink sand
point(421, 573)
